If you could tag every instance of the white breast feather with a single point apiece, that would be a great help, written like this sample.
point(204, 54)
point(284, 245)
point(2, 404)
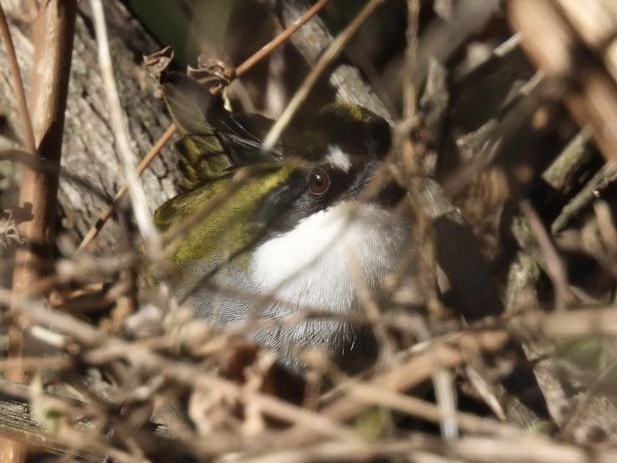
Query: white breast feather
point(310, 266)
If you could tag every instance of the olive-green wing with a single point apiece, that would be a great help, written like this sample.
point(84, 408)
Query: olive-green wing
point(214, 141)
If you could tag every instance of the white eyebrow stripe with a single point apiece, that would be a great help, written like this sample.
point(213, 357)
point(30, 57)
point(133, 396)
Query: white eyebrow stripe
point(337, 158)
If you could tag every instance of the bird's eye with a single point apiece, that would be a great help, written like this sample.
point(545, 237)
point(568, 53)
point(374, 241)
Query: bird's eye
point(319, 182)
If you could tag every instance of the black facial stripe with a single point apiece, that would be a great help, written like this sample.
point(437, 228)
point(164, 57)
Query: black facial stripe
point(280, 211)
point(293, 201)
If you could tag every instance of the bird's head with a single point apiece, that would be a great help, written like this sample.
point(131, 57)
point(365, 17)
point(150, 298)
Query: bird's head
point(244, 195)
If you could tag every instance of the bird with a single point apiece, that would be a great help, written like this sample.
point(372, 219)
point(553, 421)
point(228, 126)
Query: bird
point(285, 241)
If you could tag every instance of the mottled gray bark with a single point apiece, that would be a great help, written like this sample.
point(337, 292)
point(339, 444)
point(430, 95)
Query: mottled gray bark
point(91, 167)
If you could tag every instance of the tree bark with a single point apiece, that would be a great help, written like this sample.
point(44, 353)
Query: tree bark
point(91, 169)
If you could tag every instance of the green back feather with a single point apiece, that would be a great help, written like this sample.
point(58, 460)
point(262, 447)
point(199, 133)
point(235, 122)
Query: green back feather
point(231, 210)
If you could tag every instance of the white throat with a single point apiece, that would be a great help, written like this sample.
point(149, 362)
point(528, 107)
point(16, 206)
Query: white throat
point(321, 262)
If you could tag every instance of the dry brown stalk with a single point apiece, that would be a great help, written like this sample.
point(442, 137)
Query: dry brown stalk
point(425, 448)
point(53, 37)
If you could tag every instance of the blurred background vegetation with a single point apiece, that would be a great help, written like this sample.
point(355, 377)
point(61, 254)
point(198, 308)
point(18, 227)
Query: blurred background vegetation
point(233, 30)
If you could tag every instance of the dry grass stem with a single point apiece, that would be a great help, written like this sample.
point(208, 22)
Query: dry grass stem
point(121, 135)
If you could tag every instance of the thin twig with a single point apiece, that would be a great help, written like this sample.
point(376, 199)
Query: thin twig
point(605, 177)
point(36, 363)
point(143, 164)
point(335, 48)
point(554, 266)
point(441, 377)
point(413, 29)
point(425, 448)
point(280, 39)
